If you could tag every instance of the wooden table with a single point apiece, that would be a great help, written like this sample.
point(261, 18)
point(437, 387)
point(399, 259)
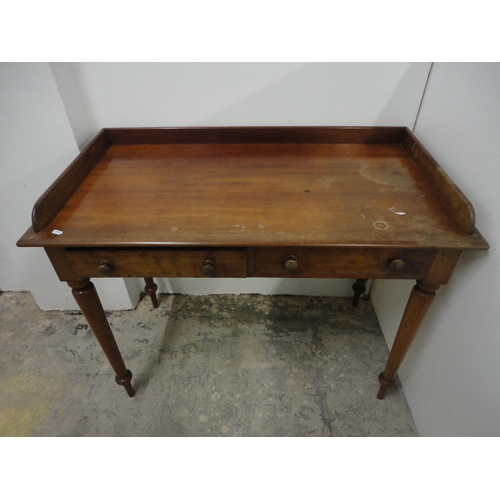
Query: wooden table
point(310, 202)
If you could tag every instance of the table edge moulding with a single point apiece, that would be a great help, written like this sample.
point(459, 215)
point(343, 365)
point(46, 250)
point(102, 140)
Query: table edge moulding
point(305, 202)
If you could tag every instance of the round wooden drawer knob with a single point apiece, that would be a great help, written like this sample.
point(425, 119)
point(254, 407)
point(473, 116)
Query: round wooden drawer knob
point(396, 264)
point(105, 267)
point(208, 268)
point(291, 263)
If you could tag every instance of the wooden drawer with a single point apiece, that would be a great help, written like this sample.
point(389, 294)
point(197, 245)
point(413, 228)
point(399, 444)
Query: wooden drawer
point(126, 262)
point(340, 263)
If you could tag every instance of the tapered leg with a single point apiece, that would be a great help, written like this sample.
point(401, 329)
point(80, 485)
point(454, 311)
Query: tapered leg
point(86, 297)
point(359, 289)
point(420, 300)
point(150, 289)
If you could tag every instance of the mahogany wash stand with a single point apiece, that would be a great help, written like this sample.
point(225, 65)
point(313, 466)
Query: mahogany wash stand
point(309, 202)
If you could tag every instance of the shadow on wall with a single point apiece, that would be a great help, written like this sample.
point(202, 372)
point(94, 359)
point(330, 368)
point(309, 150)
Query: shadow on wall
point(342, 94)
point(412, 82)
point(239, 94)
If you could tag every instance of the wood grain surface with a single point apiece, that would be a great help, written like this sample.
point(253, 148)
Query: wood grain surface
point(259, 194)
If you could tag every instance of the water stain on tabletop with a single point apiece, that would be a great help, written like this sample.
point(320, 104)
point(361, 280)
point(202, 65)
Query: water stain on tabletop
point(388, 174)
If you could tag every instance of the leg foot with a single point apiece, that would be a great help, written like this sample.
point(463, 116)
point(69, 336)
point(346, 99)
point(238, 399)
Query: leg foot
point(359, 289)
point(150, 289)
point(384, 385)
point(125, 382)
point(420, 300)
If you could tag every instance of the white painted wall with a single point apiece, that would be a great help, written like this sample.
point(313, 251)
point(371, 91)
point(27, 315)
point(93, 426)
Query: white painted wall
point(75, 103)
point(217, 94)
point(452, 372)
point(37, 143)
point(49, 111)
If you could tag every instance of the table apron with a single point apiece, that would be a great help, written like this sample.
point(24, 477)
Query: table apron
point(347, 262)
point(325, 262)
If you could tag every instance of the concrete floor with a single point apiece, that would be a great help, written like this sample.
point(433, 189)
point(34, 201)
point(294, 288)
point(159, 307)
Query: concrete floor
point(225, 365)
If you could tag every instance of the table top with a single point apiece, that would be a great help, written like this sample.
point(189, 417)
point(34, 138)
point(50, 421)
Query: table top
point(276, 186)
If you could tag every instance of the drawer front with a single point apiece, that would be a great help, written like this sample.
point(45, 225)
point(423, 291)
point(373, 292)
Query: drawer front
point(340, 263)
point(166, 263)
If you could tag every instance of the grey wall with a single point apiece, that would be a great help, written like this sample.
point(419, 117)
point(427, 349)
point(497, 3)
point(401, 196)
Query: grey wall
point(451, 375)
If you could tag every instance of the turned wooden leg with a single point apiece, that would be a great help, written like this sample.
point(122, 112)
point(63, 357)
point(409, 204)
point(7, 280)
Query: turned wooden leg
point(359, 289)
point(86, 297)
point(150, 289)
point(421, 298)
